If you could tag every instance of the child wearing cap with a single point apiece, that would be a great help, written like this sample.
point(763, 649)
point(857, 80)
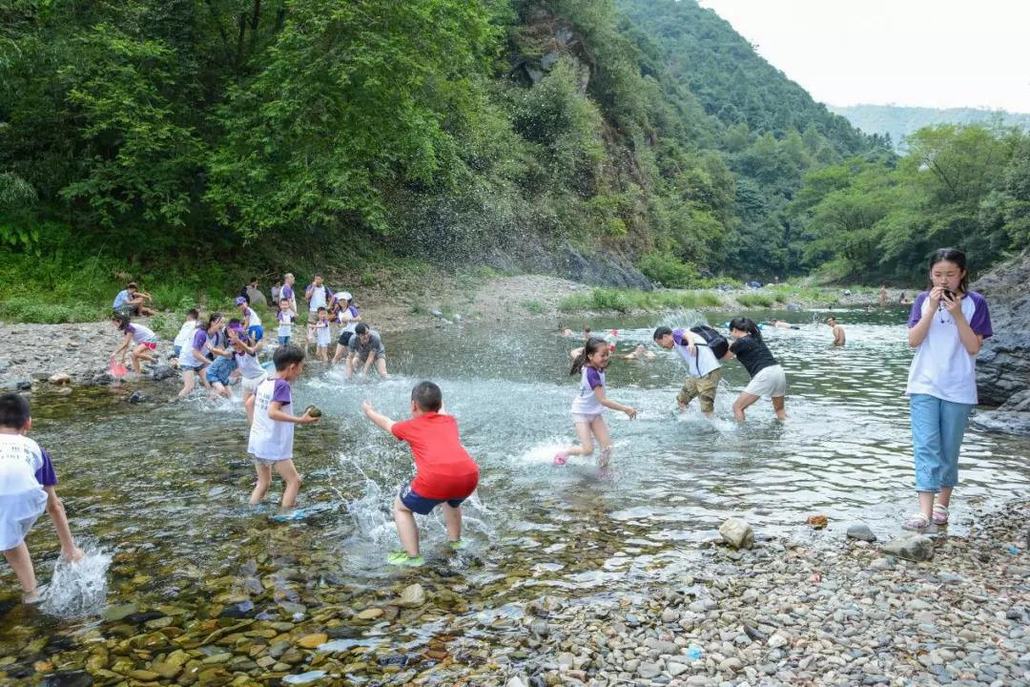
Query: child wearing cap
point(251, 321)
point(445, 473)
point(348, 317)
point(27, 488)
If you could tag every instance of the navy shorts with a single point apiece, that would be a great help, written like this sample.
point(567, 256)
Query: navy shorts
point(423, 506)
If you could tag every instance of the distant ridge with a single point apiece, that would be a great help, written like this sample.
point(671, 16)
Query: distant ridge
point(900, 121)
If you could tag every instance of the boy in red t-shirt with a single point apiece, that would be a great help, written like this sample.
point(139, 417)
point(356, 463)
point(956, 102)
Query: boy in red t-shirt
point(444, 471)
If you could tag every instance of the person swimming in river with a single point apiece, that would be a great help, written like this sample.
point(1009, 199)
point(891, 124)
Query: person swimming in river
point(781, 324)
point(445, 474)
point(640, 352)
point(590, 403)
point(767, 377)
point(142, 341)
point(838, 331)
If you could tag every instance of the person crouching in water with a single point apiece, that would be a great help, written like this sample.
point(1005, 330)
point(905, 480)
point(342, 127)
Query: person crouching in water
point(589, 405)
point(445, 474)
point(767, 377)
point(703, 369)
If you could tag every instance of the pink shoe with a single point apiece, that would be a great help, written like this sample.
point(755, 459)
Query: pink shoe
point(940, 514)
point(561, 457)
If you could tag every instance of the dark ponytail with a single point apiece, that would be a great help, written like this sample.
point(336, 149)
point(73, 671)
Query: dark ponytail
point(122, 320)
point(215, 316)
point(746, 324)
point(953, 255)
point(589, 348)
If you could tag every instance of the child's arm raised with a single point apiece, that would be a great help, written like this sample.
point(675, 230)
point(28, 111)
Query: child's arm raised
point(380, 420)
point(614, 405)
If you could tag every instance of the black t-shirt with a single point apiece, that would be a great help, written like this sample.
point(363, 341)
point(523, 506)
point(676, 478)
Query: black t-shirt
point(753, 354)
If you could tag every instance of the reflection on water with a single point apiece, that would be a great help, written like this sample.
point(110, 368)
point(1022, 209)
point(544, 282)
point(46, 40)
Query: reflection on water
point(163, 487)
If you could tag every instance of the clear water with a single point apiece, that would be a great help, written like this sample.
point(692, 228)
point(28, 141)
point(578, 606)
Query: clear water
point(162, 488)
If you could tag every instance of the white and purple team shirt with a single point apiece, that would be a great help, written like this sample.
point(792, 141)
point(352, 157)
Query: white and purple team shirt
point(285, 318)
point(942, 367)
point(25, 469)
point(586, 402)
point(185, 335)
point(252, 317)
point(322, 332)
point(141, 334)
point(248, 365)
point(699, 365)
point(348, 317)
point(200, 344)
point(270, 439)
point(320, 296)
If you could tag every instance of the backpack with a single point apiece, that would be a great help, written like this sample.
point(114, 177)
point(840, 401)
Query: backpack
point(715, 341)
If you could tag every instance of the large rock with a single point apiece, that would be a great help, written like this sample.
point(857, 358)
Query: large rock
point(914, 547)
point(1003, 366)
point(412, 596)
point(737, 533)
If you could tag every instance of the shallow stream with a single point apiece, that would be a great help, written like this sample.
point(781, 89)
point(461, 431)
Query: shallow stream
point(162, 487)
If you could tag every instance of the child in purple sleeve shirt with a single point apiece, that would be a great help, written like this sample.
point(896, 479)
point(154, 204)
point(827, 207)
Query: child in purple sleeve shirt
point(946, 328)
point(271, 430)
point(27, 481)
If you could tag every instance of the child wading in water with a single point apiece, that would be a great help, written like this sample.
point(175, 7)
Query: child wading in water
point(588, 406)
point(271, 430)
point(27, 481)
point(947, 326)
point(767, 377)
point(444, 472)
point(143, 339)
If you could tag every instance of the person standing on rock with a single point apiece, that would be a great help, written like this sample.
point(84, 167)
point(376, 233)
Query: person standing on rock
point(318, 295)
point(947, 326)
point(445, 473)
point(702, 363)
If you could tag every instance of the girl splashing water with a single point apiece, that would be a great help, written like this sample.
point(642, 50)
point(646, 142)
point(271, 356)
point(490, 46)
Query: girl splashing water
point(947, 326)
point(588, 406)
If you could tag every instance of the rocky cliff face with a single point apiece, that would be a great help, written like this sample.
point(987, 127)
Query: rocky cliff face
point(1003, 368)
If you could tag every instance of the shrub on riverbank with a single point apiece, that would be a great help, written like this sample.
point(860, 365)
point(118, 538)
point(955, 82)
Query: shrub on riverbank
point(626, 300)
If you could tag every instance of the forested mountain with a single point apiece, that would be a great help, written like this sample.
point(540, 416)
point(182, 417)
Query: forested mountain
point(207, 139)
point(899, 122)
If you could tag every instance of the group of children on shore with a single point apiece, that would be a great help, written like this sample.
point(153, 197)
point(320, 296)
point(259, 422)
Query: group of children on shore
point(947, 326)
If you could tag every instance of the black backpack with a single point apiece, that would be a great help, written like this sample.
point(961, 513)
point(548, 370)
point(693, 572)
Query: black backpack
point(715, 341)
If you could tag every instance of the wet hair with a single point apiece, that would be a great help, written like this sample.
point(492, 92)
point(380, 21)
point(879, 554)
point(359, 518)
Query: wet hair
point(661, 333)
point(592, 345)
point(746, 324)
point(361, 328)
point(831, 318)
point(123, 321)
point(953, 255)
point(212, 318)
point(427, 396)
point(14, 411)
point(194, 313)
point(287, 355)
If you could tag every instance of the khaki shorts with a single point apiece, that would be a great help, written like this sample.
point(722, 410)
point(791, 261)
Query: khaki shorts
point(703, 387)
point(769, 382)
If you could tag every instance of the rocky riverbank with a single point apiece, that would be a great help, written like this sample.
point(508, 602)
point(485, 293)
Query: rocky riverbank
point(824, 610)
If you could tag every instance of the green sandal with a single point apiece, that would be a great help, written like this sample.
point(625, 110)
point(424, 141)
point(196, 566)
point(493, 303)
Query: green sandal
point(402, 558)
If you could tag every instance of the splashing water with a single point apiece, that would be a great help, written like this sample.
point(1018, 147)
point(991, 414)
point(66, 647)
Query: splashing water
point(79, 589)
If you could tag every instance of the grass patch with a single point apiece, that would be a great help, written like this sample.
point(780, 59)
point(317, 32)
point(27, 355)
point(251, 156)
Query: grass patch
point(533, 307)
point(626, 300)
point(35, 309)
point(755, 300)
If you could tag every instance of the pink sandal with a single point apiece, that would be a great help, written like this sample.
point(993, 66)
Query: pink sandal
point(940, 514)
point(916, 522)
point(561, 457)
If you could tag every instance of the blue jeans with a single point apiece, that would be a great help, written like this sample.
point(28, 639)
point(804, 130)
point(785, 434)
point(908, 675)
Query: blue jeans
point(937, 429)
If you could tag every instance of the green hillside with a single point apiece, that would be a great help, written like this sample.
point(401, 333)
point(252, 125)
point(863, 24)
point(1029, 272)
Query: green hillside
point(899, 122)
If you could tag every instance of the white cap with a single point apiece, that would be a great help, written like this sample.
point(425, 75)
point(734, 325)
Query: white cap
point(344, 296)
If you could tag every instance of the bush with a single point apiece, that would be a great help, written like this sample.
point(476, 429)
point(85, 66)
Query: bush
point(625, 300)
point(26, 309)
point(533, 307)
point(755, 300)
point(668, 270)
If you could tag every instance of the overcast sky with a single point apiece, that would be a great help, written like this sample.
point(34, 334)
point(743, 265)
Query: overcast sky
point(934, 53)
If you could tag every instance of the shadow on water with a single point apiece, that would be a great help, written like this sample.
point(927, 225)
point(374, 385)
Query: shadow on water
point(160, 490)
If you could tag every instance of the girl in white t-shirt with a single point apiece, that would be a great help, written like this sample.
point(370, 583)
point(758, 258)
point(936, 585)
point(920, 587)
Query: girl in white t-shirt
point(589, 404)
point(141, 340)
point(947, 326)
point(248, 366)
